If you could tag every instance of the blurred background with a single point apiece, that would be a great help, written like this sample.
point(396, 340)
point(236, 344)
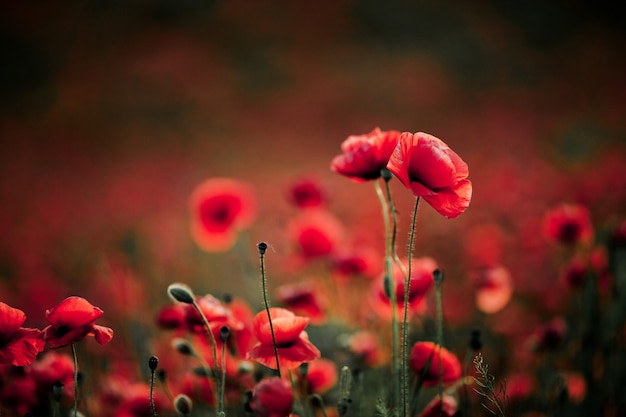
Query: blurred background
point(112, 111)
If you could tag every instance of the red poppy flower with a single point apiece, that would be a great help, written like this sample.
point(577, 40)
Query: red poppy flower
point(220, 208)
point(292, 342)
point(52, 368)
point(431, 170)
point(367, 347)
point(216, 313)
point(302, 298)
point(72, 320)
point(360, 262)
point(321, 375)
point(272, 397)
point(19, 346)
point(364, 156)
point(316, 233)
point(568, 224)
point(171, 317)
point(306, 193)
point(425, 352)
point(494, 288)
point(421, 281)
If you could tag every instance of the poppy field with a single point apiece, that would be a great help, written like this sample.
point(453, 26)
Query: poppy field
point(412, 209)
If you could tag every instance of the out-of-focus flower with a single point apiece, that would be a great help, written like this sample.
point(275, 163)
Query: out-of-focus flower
point(220, 209)
point(316, 233)
point(171, 317)
point(216, 313)
point(366, 346)
point(292, 342)
point(136, 401)
point(427, 354)
point(20, 395)
point(438, 407)
point(421, 281)
point(582, 265)
point(52, 368)
point(519, 386)
point(72, 320)
point(494, 288)
point(364, 156)
point(272, 397)
point(431, 170)
point(307, 193)
point(549, 335)
point(576, 386)
point(321, 375)
point(359, 262)
point(19, 346)
point(302, 298)
point(568, 224)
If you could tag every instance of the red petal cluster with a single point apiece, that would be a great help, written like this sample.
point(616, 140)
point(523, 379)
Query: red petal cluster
point(427, 353)
point(72, 320)
point(19, 346)
point(569, 224)
point(292, 342)
point(220, 208)
point(272, 397)
point(431, 170)
point(364, 156)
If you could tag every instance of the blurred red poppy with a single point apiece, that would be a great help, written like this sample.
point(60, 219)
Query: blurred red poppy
point(316, 233)
point(292, 342)
point(306, 193)
point(220, 208)
point(19, 346)
point(321, 375)
point(364, 156)
point(569, 224)
point(216, 313)
point(272, 397)
point(494, 288)
point(366, 346)
point(431, 170)
point(421, 281)
point(72, 320)
point(427, 353)
point(302, 298)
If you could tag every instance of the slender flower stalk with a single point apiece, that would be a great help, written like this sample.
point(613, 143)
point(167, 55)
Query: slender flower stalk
point(73, 347)
point(438, 277)
point(390, 290)
point(405, 318)
point(262, 247)
point(153, 362)
point(224, 331)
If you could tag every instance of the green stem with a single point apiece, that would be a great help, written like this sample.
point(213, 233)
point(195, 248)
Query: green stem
point(267, 305)
point(214, 371)
point(405, 319)
point(75, 379)
point(390, 241)
point(223, 383)
point(152, 407)
point(438, 277)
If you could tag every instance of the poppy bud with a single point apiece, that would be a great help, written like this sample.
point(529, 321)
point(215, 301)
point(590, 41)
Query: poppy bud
point(181, 292)
point(224, 332)
point(437, 276)
point(153, 362)
point(262, 247)
point(183, 404)
point(386, 174)
point(182, 346)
